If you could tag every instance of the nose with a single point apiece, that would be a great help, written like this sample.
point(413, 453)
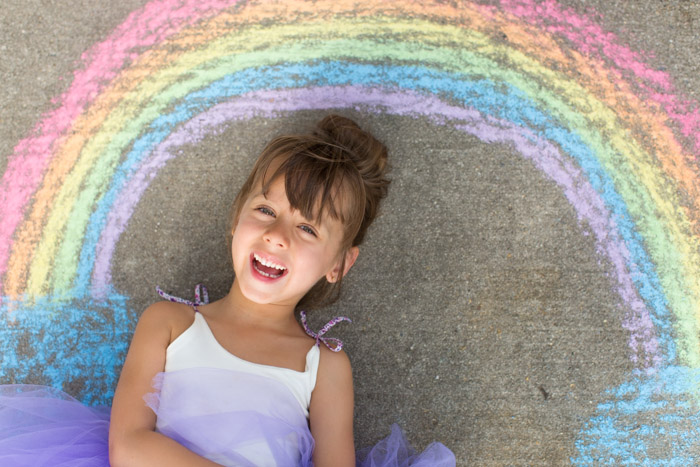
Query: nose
point(276, 235)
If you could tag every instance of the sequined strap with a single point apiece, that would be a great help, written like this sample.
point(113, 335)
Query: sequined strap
point(201, 296)
point(332, 343)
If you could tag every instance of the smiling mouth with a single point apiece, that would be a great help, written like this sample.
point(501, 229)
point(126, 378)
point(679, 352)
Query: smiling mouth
point(267, 268)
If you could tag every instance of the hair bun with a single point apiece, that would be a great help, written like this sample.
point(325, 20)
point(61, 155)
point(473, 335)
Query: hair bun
point(344, 132)
point(368, 155)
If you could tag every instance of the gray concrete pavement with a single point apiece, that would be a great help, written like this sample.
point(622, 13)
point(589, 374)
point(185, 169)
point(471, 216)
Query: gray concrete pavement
point(484, 316)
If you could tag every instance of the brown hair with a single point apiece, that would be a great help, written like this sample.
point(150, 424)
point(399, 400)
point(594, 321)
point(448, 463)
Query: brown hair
point(337, 169)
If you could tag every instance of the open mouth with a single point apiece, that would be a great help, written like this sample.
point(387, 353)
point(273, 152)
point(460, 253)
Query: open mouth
point(267, 268)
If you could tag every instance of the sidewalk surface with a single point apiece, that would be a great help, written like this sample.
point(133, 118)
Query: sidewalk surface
point(530, 293)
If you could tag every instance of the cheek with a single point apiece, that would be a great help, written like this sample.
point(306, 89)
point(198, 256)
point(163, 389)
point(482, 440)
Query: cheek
point(243, 230)
point(235, 255)
point(238, 240)
point(328, 262)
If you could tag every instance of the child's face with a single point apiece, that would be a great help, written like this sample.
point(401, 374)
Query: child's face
point(278, 254)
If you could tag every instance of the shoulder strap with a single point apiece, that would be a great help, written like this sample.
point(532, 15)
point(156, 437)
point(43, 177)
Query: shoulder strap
point(332, 343)
point(201, 297)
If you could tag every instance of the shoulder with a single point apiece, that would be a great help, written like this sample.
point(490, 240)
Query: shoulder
point(165, 315)
point(333, 390)
point(165, 311)
point(334, 369)
point(332, 358)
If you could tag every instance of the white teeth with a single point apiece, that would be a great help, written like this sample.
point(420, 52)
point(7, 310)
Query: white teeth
point(267, 263)
point(264, 273)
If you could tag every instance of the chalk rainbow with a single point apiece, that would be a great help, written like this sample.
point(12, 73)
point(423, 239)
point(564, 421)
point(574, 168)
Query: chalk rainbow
point(609, 130)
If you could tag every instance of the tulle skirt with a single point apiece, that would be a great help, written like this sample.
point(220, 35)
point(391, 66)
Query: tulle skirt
point(395, 451)
point(232, 418)
point(42, 426)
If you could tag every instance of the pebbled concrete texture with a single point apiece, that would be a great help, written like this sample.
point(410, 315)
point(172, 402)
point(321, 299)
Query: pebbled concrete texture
point(485, 315)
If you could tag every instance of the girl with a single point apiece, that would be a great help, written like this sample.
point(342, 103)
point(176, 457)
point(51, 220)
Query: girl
point(239, 381)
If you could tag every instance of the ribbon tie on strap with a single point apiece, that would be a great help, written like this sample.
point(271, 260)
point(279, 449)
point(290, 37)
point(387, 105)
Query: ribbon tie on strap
point(201, 296)
point(332, 343)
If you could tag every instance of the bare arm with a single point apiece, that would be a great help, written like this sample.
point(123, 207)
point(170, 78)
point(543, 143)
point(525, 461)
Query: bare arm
point(132, 439)
point(331, 412)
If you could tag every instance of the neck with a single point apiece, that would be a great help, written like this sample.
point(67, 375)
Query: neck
point(267, 315)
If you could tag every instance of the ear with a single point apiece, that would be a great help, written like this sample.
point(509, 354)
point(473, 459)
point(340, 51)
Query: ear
point(350, 258)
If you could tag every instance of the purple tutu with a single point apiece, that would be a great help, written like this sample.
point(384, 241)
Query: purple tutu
point(395, 451)
point(232, 418)
point(229, 417)
point(42, 426)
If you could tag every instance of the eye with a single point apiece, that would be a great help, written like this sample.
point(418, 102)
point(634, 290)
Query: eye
point(308, 229)
point(265, 210)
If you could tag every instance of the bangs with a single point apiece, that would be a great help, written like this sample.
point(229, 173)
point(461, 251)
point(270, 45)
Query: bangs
point(318, 184)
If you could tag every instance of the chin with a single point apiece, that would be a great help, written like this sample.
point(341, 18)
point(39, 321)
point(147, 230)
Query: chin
point(260, 297)
point(256, 296)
